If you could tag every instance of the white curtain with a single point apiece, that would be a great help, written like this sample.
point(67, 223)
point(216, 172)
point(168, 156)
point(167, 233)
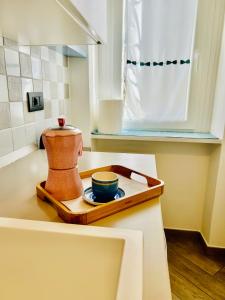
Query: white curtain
point(159, 48)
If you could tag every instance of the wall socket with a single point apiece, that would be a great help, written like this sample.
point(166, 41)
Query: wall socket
point(35, 101)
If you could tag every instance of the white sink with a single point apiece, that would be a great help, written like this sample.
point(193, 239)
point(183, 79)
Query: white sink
point(44, 261)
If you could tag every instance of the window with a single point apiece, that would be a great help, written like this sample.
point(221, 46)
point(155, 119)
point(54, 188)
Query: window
point(172, 49)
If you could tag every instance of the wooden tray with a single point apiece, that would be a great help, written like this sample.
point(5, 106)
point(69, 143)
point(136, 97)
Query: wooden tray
point(80, 212)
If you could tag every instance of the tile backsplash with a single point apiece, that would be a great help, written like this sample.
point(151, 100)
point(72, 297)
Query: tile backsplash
point(29, 69)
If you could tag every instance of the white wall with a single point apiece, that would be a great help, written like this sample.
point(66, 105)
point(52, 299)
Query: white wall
point(105, 62)
point(210, 192)
point(217, 204)
point(79, 95)
point(110, 54)
point(95, 12)
point(209, 30)
point(213, 225)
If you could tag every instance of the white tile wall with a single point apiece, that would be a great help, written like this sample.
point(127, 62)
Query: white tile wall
point(25, 49)
point(28, 117)
point(61, 90)
point(37, 85)
point(25, 65)
point(19, 137)
point(46, 89)
point(55, 108)
point(29, 69)
point(59, 73)
point(35, 51)
point(50, 123)
point(15, 88)
point(2, 61)
point(36, 68)
point(54, 122)
point(48, 109)
point(6, 141)
point(39, 128)
point(46, 70)
point(16, 112)
point(44, 53)
point(30, 134)
point(27, 86)
point(4, 115)
point(53, 72)
point(10, 44)
point(59, 59)
point(12, 62)
point(52, 56)
point(54, 90)
point(39, 115)
point(3, 89)
point(62, 107)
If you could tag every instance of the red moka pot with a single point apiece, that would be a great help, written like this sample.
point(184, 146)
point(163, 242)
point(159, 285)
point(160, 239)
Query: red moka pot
point(63, 145)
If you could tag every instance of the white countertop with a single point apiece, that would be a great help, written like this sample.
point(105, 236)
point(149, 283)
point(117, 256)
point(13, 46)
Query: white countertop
point(64, 258)
point(18, 200)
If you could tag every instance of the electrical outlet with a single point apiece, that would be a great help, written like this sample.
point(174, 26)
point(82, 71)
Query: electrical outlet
point(35, 101)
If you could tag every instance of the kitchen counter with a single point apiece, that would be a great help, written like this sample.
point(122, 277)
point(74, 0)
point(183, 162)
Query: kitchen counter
point(18, 200)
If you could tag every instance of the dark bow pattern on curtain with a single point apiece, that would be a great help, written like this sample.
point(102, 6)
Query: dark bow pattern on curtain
point(158, 64)
point(185, 61)
point(168, 62)
point(161, 63)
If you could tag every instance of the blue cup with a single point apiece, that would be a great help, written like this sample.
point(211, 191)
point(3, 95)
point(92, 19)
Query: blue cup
point(104, 186)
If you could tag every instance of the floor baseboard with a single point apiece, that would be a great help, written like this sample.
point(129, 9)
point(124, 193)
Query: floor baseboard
point(198, 236)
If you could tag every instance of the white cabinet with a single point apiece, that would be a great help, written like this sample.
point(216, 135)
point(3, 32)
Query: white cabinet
point(53, 22)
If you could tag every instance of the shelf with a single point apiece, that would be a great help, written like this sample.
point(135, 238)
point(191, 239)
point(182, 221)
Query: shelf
point(71, 50)
point(160, 136)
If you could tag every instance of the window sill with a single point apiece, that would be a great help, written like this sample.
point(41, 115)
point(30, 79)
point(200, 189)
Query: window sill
point(159, 136)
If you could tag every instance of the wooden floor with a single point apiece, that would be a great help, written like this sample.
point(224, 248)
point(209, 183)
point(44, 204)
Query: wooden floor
point(193, 274)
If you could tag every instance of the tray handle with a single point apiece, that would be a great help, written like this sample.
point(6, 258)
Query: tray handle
point(139, 178)
point(149, 181)
point(128, 173)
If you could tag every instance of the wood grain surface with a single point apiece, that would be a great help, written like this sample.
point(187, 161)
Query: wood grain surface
point(193, 273)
